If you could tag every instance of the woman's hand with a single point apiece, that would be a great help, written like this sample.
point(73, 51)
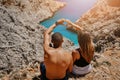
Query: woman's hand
point(73, 25)
point(60, 21)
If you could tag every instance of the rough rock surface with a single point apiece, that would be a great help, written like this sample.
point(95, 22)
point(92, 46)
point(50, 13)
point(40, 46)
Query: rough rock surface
point(103, 22)
point(106, 66)
point(21, 36)
point(35, 10)
point(21, 40)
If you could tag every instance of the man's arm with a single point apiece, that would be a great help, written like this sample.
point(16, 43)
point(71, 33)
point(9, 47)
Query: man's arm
point(47, 34)
point(70, 65)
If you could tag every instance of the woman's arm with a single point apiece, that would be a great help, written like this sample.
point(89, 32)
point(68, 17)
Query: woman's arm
point(69, 22)
point(75, 55)
point(73, 24)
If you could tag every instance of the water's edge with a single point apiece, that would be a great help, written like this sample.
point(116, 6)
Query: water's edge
point(66, 12)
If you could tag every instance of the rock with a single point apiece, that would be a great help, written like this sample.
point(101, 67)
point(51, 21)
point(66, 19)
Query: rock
point(103, 22)
point(21, 37)
point(117, 32)
point(113, 3)
point(117, 45)
point(105, 26)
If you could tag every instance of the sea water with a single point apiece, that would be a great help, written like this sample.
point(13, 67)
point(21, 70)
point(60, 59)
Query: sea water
point(73, 10)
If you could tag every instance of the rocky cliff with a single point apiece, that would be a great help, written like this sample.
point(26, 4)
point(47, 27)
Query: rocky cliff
point(35, 10)
point(21, 36)
point(103, 23)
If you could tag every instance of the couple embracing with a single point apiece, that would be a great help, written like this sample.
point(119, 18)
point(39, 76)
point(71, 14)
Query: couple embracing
point(58, 62)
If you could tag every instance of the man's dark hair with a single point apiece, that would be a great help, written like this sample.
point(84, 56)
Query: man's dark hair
point(57, 38)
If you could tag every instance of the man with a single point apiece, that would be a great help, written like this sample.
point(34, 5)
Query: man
point(57, 61)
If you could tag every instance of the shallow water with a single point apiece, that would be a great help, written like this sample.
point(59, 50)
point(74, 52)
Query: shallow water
point(72, 11)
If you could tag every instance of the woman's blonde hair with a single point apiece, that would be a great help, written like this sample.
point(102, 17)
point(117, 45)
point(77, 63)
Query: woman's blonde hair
point(86, 45)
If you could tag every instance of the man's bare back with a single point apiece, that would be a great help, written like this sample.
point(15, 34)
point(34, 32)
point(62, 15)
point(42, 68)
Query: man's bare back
point(57, 63)
point(57, 60)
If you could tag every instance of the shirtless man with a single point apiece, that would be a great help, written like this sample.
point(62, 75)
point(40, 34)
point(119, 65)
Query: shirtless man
point(57, 61)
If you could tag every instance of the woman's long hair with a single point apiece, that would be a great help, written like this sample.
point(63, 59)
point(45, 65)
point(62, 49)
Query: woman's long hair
point(86, 46)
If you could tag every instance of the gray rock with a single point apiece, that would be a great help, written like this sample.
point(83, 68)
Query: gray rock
point(21, 38)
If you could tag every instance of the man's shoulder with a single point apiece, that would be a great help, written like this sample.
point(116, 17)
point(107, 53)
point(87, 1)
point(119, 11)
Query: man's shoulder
point(68, 53)
point(59, 51)
point(65, 51)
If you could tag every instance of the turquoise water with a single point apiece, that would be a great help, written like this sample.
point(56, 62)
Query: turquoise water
point(72, 11)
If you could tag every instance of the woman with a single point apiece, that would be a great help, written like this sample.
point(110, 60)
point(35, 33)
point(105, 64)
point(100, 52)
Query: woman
point(84, 54)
